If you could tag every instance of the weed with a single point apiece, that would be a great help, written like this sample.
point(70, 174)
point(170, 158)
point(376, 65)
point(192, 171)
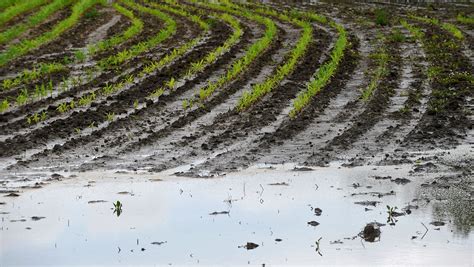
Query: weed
point(91, 14)
point(135, 104)
point(397, 36)
point(381, 17)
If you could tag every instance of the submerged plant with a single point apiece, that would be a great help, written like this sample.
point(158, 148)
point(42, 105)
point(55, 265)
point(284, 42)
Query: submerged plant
point(117, 208)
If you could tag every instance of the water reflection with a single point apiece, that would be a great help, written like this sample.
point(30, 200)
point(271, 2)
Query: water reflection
point(213, 221)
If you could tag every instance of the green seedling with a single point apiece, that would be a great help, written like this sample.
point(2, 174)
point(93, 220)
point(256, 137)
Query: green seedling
point(80, 56)
point(44, 116)
point(381, 17)
point(171, 83)
point(135, 104)
point(4, 105)
point(63, 107)
point(22, 98)
point(110, 116)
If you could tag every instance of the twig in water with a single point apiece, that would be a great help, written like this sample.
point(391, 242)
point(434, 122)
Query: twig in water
point(426, 230)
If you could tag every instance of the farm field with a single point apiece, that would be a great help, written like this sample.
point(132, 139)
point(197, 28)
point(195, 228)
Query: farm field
point(241, 120)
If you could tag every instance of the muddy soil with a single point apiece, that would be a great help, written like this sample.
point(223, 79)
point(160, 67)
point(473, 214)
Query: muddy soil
point(409, 146)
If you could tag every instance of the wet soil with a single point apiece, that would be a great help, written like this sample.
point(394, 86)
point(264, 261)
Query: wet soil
point(406, 154)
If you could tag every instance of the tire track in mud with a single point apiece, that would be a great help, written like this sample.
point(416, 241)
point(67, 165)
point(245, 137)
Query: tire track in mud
point(371, 113)
point(132, 67)
point(153, 110)
point(401, 116)
point(448, 119)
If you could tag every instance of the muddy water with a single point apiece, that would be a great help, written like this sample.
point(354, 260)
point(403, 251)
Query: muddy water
point(177, 211)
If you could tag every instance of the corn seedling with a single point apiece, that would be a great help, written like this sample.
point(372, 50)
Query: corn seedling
point(63, 107)
point(4, 105)
point(80, 56)
point(110, 116)
point(22, 98)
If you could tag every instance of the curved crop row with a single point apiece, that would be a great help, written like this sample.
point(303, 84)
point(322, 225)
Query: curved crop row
point(33, 20)
point(448, 83)
point(19, 8)
point(261, 89)
point(451, 28)
point(27, 45)
point(120, 57)
point(251, 53)
point(325, 72)
point(48, 68)
point(134, 29)
point(381, 58)
point(183, 48)
point(7, 3)
point(109, 89)
point(465, 19)
point(27, 76)
point(211, 57)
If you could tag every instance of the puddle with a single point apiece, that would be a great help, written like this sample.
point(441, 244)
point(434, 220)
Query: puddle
point(263, 215)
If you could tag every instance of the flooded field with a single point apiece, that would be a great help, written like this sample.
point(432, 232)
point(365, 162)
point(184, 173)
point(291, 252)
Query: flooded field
point(236, 132)
point(267, 214)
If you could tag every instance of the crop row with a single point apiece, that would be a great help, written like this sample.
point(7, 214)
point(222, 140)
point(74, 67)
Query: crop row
point(33, 20)
point(451, 28)
point(250, 54)
point(109, 89)
point(465, 19)
point(19, 8)
point(210, 58)
point(446, 72)
point(134, 29)
point(326, 71)
point(45, 68)
point(165, 33)
point(27, 45)
point(265, 87)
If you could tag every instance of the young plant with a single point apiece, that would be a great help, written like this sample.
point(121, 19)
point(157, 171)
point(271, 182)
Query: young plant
point(63, 107)
point(110, 116)
point(4, 105)
point(22, 98)
point(80, 56)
